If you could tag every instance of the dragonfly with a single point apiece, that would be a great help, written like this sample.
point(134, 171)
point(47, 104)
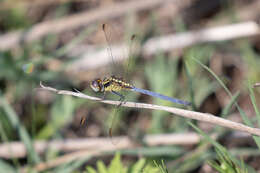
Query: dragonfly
point(115, 85)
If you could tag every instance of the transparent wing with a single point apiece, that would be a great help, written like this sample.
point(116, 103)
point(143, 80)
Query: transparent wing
point(115, 123)
point(115, 50)
point(118, 53)
point(132, 50)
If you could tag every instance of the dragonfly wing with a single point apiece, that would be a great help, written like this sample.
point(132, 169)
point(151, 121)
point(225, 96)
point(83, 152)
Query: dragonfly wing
point(154, 94)
point(116, 116)
point(115, 51)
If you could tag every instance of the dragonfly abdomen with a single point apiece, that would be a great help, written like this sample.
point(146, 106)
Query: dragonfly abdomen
point(154, 94)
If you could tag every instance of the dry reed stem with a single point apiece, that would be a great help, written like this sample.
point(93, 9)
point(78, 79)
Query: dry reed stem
point(212, 34)
point(12, 39)
point(257, 84)
point(206, 117)
point(248, 12)
point(162, 44)
point(5, 5)
point(18, 150)
point(94, 147)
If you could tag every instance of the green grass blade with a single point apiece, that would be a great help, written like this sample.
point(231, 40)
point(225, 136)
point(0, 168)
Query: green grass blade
point(213, 142)
point(101, 167)
point(155, 151)
point(227, 109)
point(214, 75)
point(253, 100)
point(75, 41)
point(161, 166)
point(24, 136)
point(219, 148)
point(61, 113)
point(190, 84)
point(70, 167)
point(90, 170)
point(242, 113)
point(6, 167)
point(138, 166)
point(4, 138)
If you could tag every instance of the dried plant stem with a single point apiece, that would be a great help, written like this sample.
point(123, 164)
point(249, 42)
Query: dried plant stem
point(18, 150)
point(13, 39)
point(86, 148)
point(162, 44)
point(221, 33)
point(206, 117)
point(257, 84)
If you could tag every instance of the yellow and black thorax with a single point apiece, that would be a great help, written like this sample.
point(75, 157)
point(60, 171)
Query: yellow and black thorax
point(110, 84)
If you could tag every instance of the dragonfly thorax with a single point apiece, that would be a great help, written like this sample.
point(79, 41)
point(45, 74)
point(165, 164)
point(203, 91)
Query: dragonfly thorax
point(111, 84)
point(97, 85)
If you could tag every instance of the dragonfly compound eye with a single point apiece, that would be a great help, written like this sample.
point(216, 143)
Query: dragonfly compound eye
point(95, 86)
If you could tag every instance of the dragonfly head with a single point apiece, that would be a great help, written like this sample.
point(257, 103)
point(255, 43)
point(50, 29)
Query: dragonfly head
point(97, 85)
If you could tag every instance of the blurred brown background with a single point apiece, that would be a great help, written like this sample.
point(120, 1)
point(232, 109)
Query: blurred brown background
point(61, 43)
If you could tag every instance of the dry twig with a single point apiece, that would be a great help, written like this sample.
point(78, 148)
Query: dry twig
point(250, 11)
point(221, 33)
point(206, 117)
point(94, 147)
point(163, 44)
point(257, 84)
point(18, 150)
point(13, 39)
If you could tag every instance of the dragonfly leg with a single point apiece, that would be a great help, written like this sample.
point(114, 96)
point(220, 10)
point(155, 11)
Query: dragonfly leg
point(104, 96)
point(122, 98)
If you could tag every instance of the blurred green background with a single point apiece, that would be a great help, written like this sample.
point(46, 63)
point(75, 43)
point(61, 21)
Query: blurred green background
point(61, 43)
